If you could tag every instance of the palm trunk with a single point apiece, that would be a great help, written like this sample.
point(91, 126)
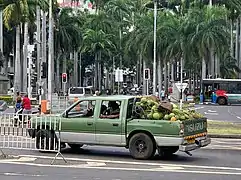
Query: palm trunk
point(25, 57)
point(231, 38)
point(75, 69)
point(99, 73)
point(17, 69)
point(237, 41)
point(144, 88)
point(172, 72)
point(165, 75)
point(96, 71)
point(58, 71)
point(203, 68)
point(80, 69)
point(159, 75)
point(217, 66)
point(212, 63)
point(239, 59)
point(140, 70)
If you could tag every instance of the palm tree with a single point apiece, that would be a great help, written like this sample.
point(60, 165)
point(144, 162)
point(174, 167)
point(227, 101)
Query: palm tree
point(67, 36)
point(211, 35)
point(97, 42)
point(13, 15)
point(228, 66)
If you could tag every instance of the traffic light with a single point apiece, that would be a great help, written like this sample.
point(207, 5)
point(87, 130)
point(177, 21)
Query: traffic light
point(44, 70)
point(64, 77)
point(147, 74)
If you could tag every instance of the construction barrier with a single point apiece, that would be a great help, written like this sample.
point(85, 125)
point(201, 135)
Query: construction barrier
point(30, 132)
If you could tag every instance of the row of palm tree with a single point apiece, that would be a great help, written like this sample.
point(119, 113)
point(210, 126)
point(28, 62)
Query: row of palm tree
point(194, 33)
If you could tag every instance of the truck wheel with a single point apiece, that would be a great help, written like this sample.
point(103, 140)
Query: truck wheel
point(141, 146)
point(75, 146)
point(167, 151)
point(222, 101)
point(45, 140)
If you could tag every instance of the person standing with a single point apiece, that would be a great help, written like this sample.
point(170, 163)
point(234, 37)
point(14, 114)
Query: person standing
point(18, 102)
point(162, 94)
point(27, 109)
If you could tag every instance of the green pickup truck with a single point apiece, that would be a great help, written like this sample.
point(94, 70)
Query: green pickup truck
point(112, 121)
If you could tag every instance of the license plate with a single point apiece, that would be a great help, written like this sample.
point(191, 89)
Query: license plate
point(191, 141)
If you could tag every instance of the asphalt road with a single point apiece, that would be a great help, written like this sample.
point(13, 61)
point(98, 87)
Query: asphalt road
point(216, 162)
point(221, 113)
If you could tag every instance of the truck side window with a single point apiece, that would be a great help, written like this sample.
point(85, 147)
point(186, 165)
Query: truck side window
point(110, 109)
point(82, 109)
point(130, 109)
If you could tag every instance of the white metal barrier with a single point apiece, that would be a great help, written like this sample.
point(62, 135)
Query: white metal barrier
point(30, 132)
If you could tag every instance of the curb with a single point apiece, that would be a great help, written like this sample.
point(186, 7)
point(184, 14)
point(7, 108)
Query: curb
point(228, 136)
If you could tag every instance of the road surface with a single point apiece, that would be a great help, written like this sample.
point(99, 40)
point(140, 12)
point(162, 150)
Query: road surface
point(216, 162)
point(220, 113)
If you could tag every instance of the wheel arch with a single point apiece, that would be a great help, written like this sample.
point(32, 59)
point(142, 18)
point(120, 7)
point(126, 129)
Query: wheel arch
point(45, 127)
point(140, 131)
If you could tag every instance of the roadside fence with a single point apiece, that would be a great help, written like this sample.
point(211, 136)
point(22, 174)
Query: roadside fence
point(31, 132)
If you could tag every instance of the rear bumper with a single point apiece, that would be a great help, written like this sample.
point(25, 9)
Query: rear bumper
point(198, 144)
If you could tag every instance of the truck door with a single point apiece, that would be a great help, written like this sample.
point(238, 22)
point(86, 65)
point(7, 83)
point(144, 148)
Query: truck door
point(79, 126)
point(109, 127)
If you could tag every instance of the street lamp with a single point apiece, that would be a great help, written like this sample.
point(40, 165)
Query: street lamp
point(154, 49)
point(50, 51)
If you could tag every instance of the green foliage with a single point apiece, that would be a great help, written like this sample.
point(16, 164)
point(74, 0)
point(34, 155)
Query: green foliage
point(8, 99)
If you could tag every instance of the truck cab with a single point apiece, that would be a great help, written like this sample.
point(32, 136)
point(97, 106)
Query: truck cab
point(114, 121)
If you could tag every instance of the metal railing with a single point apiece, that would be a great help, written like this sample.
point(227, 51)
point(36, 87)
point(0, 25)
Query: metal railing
point(30, 132)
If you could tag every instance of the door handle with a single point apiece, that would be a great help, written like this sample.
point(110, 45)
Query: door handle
point(89, 123)
point(115, 124)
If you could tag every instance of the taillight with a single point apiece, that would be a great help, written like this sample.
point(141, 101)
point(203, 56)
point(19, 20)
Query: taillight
point(181, 133)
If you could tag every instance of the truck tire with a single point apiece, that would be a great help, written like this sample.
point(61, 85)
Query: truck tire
point(141, 146)
point(75, 146)
point(167, 151)
point(222, 101)
point(45, 140)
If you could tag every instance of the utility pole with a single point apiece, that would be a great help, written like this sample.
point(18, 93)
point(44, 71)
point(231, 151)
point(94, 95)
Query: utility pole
point(50, 51)
point(1, 35)
point(43, 59)
point(1, 30)
point(154, 49)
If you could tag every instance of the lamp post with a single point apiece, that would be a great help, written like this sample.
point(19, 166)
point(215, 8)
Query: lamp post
point(50, 51)
point(154, 49)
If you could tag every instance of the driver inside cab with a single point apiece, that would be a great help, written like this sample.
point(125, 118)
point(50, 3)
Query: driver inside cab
point(90, 109)
point(112, 112)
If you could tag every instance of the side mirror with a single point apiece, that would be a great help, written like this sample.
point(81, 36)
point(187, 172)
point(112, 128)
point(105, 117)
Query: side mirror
point(65, 115)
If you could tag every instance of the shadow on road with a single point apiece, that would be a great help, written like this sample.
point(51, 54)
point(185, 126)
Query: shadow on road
point(124, 155)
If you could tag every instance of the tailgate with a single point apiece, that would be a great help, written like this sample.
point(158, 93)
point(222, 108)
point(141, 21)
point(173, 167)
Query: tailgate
point(195, 127)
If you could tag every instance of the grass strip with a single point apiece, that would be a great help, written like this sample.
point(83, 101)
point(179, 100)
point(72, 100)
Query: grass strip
point(223, 128)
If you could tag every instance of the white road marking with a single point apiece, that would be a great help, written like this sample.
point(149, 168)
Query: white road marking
point(170, 168)
point(95, 164)
point(21, 159)
point(19, 174)
point(196, 108)
point(210, 113)
point(134, 163)
point(135, 169)
point(238, 117)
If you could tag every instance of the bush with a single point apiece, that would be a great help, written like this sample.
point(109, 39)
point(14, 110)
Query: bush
point(8, 99)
